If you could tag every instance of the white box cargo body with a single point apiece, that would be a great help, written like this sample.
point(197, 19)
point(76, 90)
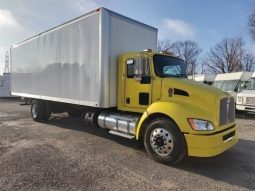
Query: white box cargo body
point(77, 62)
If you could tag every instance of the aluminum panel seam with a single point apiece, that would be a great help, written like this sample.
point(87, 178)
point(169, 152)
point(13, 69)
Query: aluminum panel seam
point(64, 100)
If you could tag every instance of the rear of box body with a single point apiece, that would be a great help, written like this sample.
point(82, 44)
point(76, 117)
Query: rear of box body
point(77, 62)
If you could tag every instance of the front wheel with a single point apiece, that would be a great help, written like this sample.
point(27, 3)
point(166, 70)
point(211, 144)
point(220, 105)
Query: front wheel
point(164, 142)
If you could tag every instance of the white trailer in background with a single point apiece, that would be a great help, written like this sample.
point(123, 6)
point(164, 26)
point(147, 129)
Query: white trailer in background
point(232, 83)
point(246, 99)
point(204, 78)
point(197, 77)
point(5, 85)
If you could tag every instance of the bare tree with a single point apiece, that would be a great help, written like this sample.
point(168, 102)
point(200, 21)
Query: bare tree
point(226, 56)
point(251, 25)
point(189, 52)
point(165, 46)
point(248, 61)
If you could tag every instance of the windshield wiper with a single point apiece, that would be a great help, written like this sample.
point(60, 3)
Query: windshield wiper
point(171, 75)
point(181, 75)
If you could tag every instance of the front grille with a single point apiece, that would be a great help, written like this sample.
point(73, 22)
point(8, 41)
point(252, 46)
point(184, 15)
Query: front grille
point(250, 101)
point(227, 110)
point(250, 108)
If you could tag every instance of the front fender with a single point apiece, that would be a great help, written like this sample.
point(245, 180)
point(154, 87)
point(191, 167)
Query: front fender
point(178, 112)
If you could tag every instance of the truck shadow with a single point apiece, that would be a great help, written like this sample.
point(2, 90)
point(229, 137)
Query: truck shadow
point(235, 167)
point(63, 121)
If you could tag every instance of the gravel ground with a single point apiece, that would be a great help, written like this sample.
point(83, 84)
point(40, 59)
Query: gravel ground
point(65, 155)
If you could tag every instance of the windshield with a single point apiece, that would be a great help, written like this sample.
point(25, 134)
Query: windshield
point(251, 84)
point(166, 66)
point(226, 85)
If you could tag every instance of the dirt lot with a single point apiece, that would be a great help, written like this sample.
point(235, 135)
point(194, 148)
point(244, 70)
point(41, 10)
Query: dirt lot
point(65, 155)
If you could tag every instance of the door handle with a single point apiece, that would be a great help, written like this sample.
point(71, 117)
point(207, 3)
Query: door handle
point(128, 100)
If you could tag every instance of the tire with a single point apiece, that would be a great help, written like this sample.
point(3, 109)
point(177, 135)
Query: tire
point(37, 110)
point(164, 141)
point(48, 111)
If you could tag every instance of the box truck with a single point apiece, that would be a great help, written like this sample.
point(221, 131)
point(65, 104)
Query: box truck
point(104, 67)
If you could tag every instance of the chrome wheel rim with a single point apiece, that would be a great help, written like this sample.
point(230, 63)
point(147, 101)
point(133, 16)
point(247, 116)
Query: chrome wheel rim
point(161, 141)
point(34, 110)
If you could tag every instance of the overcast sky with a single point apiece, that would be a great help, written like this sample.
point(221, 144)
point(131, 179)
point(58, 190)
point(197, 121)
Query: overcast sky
point(204, 21)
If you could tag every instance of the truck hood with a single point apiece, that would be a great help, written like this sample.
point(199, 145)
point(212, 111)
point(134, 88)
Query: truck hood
point(192, 93)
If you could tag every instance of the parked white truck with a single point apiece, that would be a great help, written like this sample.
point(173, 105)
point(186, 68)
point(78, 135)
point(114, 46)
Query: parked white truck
point(232, 83)
point(96, 66)
point(204, 78)
point(246, 99)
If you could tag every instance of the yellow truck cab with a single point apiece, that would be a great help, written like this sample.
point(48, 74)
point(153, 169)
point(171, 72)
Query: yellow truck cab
point(178, 116)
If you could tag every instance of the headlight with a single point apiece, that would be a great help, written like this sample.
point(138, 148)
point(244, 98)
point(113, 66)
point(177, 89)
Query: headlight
point(200, 125)
point(239, 100)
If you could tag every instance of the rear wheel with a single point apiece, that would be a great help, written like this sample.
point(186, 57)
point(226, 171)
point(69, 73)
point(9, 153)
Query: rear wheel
point(164, 142)
point(37, 110)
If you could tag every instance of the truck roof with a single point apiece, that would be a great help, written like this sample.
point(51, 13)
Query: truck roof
point(82, 17)
point(199, 77)
point(253, 75)
point(203, 77)
point(234, 76)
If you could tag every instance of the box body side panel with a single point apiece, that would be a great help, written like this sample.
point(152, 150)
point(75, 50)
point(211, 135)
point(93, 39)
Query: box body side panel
point(77, 62)
point(127, 35)
point(61, 64)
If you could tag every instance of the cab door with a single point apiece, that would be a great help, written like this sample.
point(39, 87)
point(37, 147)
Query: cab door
point(138, 83)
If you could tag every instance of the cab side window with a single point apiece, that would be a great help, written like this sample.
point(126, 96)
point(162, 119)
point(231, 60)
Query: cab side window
point(130, 68)
point(137, 67)
point(142, 67)
point(142, 70)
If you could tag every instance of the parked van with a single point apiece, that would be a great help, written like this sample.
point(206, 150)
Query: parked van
point(246, 99)
point(232, 83)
